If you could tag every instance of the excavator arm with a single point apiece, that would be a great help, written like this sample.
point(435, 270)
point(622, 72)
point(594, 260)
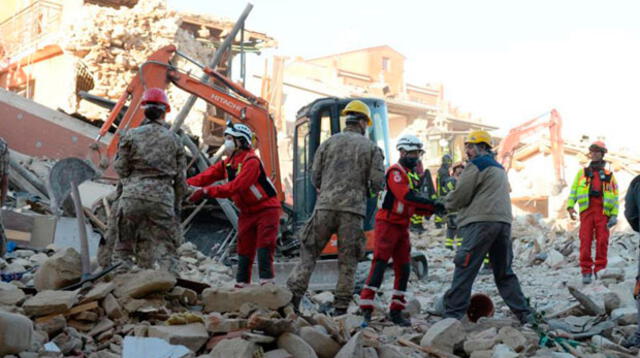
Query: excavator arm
point(517, 134)
point(244, 107)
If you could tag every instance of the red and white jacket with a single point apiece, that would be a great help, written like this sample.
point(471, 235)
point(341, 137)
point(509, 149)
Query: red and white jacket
point(399, 201)
point(247, 183)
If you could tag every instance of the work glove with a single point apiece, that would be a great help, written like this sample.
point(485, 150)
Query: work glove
point(636, 290)
point(612, 222)
point(572, 213)
point(197, 195)
point(439, 208)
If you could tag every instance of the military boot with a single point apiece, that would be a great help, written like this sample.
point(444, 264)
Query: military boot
point(339, 312)
point(398, 319)
point(366, 315)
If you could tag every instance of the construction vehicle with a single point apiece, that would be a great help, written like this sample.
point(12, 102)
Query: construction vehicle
point(315, 123)
point(517, 135)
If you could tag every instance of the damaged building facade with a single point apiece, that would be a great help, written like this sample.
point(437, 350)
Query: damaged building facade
point(51, 51)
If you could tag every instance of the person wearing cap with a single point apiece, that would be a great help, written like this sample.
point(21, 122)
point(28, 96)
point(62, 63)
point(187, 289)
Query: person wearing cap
point(481, 198)
point(151, 164)
point(396, 205)
point(595, 190)
point(347, 169)
point(249, 187)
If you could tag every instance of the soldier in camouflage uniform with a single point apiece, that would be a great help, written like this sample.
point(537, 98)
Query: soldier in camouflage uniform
point(151, 164)
point(4, 185)
point(348, 167)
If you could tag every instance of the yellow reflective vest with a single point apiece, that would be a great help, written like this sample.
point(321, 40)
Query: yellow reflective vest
point(582, 185)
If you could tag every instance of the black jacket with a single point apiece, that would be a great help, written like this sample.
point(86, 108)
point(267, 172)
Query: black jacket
point(632, 204)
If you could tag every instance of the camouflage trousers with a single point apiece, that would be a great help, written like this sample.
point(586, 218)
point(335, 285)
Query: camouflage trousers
point(314, 237)
point(147, 232)
point(3, 239)
point(110, 236)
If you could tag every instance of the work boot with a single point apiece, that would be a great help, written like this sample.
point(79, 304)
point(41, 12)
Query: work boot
point(366, 315)
point(586, 278)
point(295, 302)
point(398, 319)
point(339, 312)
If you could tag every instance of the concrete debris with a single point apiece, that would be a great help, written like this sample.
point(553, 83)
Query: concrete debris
point(295, 345)
point(444, 335)
point(49, 302)
point(229, 300)
point(192, 336)
point(60, 270)
point(322, 344)
point(236, 347)
point(144, 283)
point(10, 294)
point(15, 333)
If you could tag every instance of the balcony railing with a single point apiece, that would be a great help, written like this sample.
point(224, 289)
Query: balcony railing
point(27, 28)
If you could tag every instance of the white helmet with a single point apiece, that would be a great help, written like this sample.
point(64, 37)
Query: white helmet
point(409, 143)
point(239, 131)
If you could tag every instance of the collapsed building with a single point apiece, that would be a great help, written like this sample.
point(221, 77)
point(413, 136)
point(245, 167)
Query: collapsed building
point(149, 313)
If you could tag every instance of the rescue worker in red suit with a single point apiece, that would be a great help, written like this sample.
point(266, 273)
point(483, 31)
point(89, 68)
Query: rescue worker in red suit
point(595, 191)
point(253, 193)
point(396, 205)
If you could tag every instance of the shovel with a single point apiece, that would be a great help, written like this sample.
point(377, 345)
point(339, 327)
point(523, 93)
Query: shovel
point(64, 179)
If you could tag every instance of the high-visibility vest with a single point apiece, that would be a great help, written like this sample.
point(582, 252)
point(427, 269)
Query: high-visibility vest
point(582, 186)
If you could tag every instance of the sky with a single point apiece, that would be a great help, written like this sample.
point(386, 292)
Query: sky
point(506, 61)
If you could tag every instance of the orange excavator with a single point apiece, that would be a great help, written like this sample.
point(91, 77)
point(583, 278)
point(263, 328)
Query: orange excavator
point(315, 123)
point(516, 135)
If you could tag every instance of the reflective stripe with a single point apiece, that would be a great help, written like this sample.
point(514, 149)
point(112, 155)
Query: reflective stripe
point(400, 207)
point(399, 293)
point(367, 287)
point(255, 192)
point(367, 303)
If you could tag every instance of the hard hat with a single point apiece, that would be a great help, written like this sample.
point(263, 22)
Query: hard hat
point(239, 131)
point(409, 143)
point(156, 95)
point(357, 106)
point(447, 158)
point(598, 145)
point(476, 137)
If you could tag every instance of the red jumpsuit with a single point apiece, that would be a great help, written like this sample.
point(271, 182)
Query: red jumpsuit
point(398, 203)
point(593, 222)
point(255, 196)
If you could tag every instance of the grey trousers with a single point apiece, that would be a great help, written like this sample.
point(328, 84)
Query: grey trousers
point(478, 239)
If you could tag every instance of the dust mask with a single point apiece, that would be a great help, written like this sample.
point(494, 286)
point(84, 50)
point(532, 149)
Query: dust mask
point(229, 146)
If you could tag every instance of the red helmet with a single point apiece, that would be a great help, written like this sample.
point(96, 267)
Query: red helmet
point(598, 145)
point(156, 95)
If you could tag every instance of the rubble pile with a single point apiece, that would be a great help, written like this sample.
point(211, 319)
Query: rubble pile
point(202, 315)
point(113, 43)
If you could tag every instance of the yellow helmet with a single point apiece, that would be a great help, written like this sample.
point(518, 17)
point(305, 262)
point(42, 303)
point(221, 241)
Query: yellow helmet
point(360, 107)
point(476, 137)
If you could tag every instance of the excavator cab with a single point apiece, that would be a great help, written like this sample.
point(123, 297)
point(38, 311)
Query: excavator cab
point(315, 123)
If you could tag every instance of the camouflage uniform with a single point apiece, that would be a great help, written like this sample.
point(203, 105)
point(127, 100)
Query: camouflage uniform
point(108, 243)
point(347, 168)
point(4, 172)
point(151, 164)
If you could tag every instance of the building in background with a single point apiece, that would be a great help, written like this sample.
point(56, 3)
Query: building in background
point(51, 50)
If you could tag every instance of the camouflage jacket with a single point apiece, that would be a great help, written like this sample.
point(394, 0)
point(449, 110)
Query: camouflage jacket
point(347, 169)
point(151, 163)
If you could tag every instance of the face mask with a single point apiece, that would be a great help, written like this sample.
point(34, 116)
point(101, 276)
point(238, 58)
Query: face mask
point(409, 162)
point(153, 112)
point(229, 146)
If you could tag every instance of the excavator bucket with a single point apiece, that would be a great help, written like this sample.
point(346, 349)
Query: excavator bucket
point(65, 172)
